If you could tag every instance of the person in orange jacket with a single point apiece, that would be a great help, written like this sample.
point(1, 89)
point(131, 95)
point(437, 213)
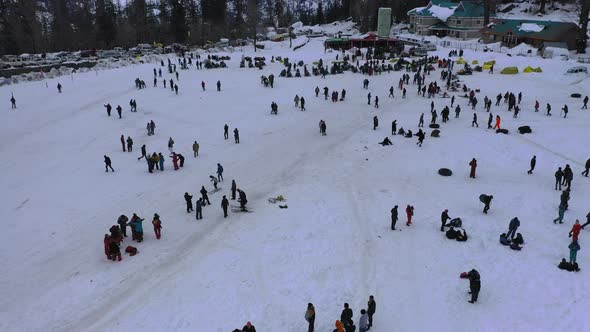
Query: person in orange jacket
point(473, 164)
point(497, 125)
point(575, 230)
point(409, 213)
point(339, 326)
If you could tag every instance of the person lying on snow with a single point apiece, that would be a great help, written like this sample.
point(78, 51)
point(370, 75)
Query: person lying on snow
point(386, 141)
point(563, 265)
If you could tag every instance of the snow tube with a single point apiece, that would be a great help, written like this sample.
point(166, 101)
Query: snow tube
point(460, 61)
point(528, 69)
point(435, 133)
point(509, 71)
point(474, 62)
point(445, 172)
point(490, 63)
point(576, 95)
point(524, 130)
point(502, 131)
point(434, 125)
point(538, 70)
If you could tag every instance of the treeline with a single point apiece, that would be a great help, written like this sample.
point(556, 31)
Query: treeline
point(36, 26)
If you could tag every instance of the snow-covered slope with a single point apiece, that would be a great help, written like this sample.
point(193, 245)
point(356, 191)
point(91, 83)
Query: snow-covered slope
point(332, 245)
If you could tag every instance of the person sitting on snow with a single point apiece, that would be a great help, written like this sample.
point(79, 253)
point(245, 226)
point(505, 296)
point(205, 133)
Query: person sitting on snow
point(451, 234)
point(461, 237)
point(504, 239)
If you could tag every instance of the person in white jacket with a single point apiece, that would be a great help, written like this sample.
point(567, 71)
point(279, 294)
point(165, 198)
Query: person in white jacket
point(364, 321)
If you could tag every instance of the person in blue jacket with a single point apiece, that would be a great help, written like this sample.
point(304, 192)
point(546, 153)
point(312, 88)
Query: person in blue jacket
point(219, 172)
point(137, 227)
point(161, 160)
point(512, 227)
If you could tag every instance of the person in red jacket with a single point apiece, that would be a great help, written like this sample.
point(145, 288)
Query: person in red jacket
point(123, 142)
point(174, 157)
point(473, 164)
point(497, 125)
point(409, 213)
point(576, 230)
point(536, 105)
point(157, 225)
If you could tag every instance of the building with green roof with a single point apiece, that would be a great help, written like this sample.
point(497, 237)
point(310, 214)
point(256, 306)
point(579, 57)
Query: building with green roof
point(463, 19)
point(532, 32)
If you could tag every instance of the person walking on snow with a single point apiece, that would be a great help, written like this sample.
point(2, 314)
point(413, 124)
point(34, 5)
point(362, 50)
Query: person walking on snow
point(109, 108)
point(586, 168)
point(474, 122)
point(119, 110)
point(224, 206)
point(242, 199)
point(512, 227)
point(533, 163)
point(13, 102)
point(234, 188)
point(219, 172)
point(310, 316)
point(161, 161)
point(371, 308)
point(393, 217)
point(143, 152)
point(129, 144)
point(375, 122)
point(203, 85)
point(497, 125)
point(585, 107)
point(473, 164)
point(363, 321)
point(575, 231)
point(565, 110)
point(199, 207)
point(236, 136)
point(490, 119)
point(558, 177)
point(394, 127)
point(225, 131)
point(561, 212)
point(157, 225)
point(174, 157)
point(123, 142)
point(409, 214)
point(107, 164)
point(218, 85)
point(170, 144)
point(574, 247)
point(421, 121)
point(302, 102)
point(189, 202)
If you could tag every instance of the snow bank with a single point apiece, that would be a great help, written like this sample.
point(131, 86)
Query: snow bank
point(531, 27)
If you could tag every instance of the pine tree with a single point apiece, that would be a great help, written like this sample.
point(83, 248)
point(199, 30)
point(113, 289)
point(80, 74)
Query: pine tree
point(178, 21)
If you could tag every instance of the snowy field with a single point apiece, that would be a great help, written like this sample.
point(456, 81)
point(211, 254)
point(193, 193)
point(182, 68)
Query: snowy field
point(332, 245)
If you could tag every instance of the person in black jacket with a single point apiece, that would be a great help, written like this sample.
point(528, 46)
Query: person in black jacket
point(533, 163)
point(372, 306)
point(558, 176)
point(249, 328)
point(234, 188)
point(474, 283)
point(487, 200)
point(242, 199)
point(375, 122)
point(122, 221)
point(568, 176)
point(107, 164)
point(199, 212)
point(346, 316)
point(225, 131)
point(204, 196)
point(224, 206)
point(587, 168)
point(189, 202)
point(393, 217)
point(443, 219)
